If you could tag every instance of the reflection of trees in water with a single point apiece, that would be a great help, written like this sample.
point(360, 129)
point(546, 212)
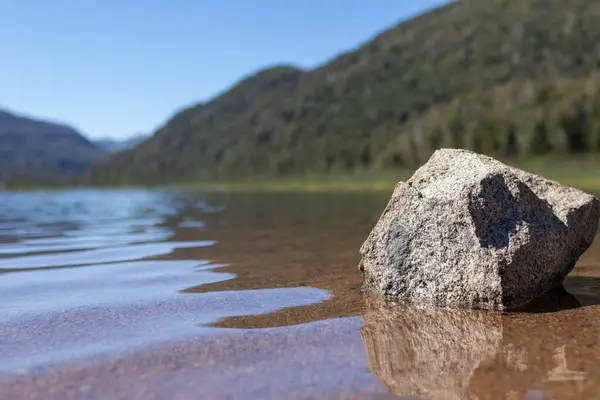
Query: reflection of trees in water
point(467, 354)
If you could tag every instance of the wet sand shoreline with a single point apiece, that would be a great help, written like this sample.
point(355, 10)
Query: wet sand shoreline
point(272, 308)
point(387, 352)
point(318, 360)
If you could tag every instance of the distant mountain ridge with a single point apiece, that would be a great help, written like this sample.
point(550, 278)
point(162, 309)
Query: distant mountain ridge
point(116, 145)
point(33, 149)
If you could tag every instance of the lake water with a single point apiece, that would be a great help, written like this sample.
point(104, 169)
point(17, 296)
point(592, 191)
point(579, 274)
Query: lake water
point(141, 294)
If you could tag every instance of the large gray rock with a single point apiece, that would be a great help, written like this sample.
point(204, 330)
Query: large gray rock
point(468, 231)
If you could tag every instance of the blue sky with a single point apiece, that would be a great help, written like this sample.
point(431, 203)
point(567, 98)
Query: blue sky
point(119, 67)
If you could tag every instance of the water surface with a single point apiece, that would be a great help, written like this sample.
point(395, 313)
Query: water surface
point(165, 294)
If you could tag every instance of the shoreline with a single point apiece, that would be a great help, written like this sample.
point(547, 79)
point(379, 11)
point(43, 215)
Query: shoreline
point(591, 184)
point(581, 172)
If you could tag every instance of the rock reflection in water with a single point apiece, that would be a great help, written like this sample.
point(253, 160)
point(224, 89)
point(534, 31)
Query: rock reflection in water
point(466, 354)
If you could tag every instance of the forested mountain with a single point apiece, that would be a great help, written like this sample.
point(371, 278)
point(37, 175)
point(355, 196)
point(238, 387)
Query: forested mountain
point(507, 77)
point(36, 150)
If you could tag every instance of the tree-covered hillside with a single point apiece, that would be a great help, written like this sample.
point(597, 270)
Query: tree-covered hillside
point(506, 77)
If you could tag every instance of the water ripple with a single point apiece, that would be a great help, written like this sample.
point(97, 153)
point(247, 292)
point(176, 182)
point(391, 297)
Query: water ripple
point(89, 272)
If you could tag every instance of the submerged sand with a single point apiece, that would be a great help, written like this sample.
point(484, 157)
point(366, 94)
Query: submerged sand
point(274, 310)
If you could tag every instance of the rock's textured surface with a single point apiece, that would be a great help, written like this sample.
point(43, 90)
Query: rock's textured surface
point(468, 231)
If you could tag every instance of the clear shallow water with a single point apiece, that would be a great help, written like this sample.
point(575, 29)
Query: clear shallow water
point(180, 295)
point(85, 273)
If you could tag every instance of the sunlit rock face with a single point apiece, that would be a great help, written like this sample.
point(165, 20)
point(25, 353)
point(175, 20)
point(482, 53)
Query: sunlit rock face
point(549, 352)
point(469, 231)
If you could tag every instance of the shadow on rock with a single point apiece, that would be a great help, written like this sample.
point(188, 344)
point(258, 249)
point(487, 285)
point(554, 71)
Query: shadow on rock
point(548, 350)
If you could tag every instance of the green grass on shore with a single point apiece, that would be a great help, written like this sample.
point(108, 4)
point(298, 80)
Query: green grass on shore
point(365, 182)
point(582, 172)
